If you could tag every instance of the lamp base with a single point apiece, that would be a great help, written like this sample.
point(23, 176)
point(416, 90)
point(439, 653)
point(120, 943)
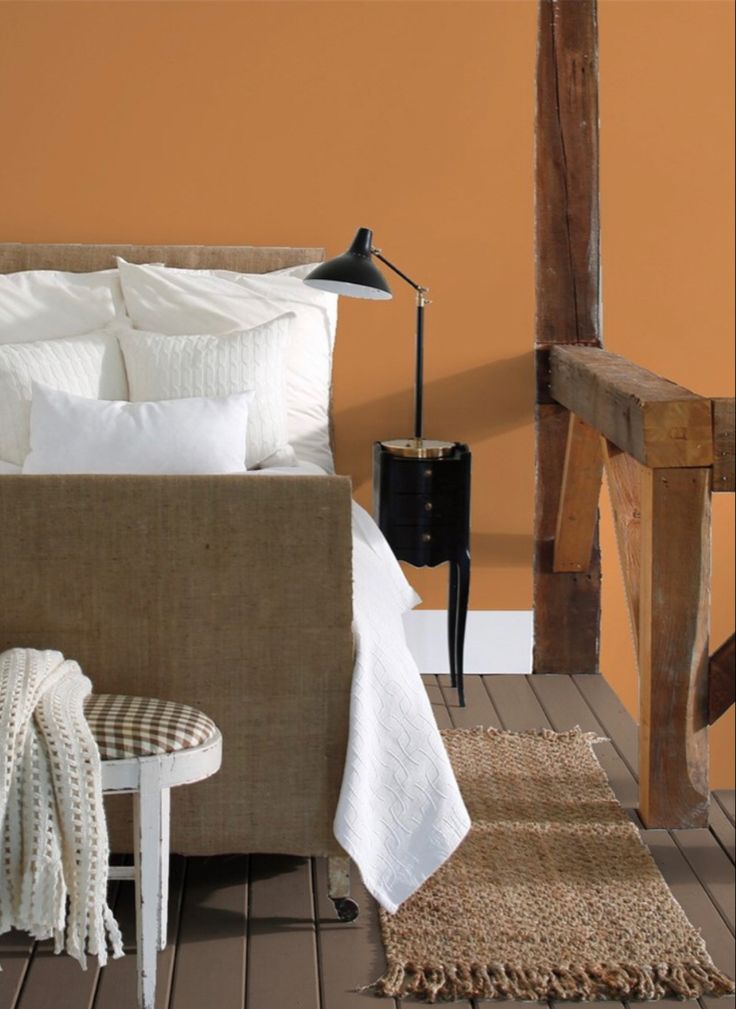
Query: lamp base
point(419, 448)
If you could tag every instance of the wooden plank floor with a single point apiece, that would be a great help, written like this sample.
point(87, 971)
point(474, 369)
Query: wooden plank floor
point(260, 933)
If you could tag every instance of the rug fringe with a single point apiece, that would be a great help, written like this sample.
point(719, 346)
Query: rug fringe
point(445, 982)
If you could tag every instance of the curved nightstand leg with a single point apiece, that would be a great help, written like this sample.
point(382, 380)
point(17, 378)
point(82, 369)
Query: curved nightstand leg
point(452, 622)
point(463, 591)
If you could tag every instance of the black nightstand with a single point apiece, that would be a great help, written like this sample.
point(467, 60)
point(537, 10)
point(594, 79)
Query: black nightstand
point(423, 509)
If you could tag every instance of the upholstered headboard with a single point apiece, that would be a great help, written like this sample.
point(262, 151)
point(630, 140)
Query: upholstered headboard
point(16, 256)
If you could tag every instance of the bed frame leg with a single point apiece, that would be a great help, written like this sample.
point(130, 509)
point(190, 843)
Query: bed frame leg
point(338, 887)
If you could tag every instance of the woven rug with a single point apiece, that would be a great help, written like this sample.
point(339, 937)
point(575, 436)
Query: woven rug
point(552, 895)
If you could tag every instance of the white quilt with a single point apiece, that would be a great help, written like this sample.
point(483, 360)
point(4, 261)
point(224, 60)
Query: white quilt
point(400, 814)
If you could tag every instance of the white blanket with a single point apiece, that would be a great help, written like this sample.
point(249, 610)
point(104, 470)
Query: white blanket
point(400, 814)
point(52, 822)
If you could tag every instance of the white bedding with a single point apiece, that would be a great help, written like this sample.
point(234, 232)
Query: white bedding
point(400, 814)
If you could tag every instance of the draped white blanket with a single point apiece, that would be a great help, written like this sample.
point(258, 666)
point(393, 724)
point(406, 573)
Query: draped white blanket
point(400, 814)
point(52, 822)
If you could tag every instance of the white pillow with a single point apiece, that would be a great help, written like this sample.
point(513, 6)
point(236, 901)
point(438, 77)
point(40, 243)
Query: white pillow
point(90, 365)
point(174, 301)
point(70, 434)
point(48, 304)
point(172, 367)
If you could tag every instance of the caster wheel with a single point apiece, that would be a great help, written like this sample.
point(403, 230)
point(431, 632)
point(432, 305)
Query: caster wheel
point(346, 908)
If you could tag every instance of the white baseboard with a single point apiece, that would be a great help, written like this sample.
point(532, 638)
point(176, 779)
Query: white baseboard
point(496, 641)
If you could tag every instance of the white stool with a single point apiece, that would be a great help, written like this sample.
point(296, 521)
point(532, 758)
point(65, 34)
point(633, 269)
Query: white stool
point(147, 747)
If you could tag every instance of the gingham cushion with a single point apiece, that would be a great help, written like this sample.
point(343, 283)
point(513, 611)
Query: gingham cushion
point(143, 726)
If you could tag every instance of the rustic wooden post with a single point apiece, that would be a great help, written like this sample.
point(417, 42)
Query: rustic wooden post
point(566, 604)
point(674, 618)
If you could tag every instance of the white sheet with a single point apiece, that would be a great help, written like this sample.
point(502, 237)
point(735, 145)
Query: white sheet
point(400, 814)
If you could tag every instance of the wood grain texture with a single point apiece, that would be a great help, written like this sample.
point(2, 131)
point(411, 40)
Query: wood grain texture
point(722, 679)
point(657, 422)
point(577, 514)
point(624, 476)
point(673, 647)
point(724, 444)
point(567, 201)
point(567, 262)
point(566, 604)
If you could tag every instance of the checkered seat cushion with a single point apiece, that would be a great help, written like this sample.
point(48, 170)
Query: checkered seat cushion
point(144, 726)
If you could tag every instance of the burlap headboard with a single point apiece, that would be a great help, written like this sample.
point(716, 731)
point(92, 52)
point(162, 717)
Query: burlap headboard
point(15, 256)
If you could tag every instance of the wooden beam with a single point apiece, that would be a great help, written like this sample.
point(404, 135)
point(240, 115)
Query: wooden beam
point(577, 515)
point(674, 622)
point(722, 680)
point(724, 445)
point(624, 479)
point(566, 604)
point(655, 421)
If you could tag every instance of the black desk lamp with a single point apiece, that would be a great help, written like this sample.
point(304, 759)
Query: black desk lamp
point(355, 275)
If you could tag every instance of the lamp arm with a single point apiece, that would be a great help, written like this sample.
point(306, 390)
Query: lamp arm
point(412, 283)
point(419, 374)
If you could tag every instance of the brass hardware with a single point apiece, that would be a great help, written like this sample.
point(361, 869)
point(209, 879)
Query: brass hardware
point(428, 471)
point(426, 537)
point(428, 506)
point(419, 448)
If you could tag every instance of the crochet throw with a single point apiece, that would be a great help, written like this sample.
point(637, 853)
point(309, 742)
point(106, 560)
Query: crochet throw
point(54, 864)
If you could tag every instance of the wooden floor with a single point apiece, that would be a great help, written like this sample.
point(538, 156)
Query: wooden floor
point(260, 933)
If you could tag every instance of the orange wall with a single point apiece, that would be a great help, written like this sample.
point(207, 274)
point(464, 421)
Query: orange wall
point(293, 123)
point(667, 191)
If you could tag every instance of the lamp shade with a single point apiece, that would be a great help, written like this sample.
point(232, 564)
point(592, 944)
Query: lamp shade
point(352, 274)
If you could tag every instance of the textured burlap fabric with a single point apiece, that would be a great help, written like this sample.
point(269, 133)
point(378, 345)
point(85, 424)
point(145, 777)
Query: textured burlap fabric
point(551, 896)
point(228, 594)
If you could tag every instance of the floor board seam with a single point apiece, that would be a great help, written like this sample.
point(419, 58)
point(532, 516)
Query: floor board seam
point(703, 883)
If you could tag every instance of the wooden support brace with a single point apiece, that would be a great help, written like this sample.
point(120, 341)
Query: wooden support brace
point(624, 479)
point(722, 680)
point(566, 604)
point(577, 514)
point(673, 646)
point(724, 445)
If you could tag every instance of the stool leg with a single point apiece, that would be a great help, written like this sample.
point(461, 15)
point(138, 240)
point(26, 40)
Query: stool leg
point(147, 804)
point(163, 878)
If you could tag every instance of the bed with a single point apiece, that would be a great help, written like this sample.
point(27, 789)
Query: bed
point(271, 602)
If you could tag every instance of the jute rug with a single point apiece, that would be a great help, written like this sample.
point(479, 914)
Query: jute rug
point(551, 896)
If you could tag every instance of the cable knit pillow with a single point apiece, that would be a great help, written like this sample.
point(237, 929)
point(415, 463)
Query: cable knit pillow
point(90, 366)
point(174, 367)
point(168, 300)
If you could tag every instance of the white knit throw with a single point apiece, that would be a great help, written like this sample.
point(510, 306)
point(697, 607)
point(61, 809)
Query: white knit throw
point(52, 820)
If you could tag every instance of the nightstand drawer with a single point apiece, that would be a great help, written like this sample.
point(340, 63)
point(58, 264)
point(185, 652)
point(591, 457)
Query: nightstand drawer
point(426, 509)
point(407, 476)
point(421, 540)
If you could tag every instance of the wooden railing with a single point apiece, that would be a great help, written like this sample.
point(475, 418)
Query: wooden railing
point(664, 450)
